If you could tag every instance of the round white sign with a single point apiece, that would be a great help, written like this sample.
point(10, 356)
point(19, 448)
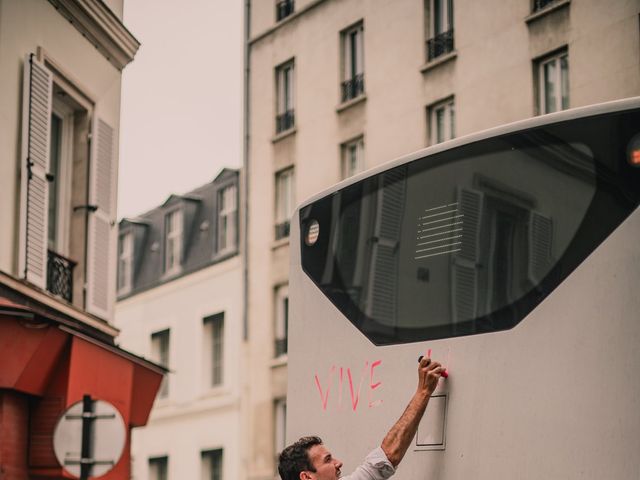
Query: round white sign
point(106, 438)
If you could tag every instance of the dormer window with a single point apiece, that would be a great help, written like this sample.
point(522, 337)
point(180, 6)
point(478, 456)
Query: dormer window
point(172, 241)
point(227, 218)
point(125, 262)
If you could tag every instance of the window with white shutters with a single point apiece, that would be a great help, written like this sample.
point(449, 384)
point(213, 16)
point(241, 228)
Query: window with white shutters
point(67, 240)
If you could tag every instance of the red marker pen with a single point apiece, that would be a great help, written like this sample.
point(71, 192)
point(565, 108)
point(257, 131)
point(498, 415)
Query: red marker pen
point(444, 374)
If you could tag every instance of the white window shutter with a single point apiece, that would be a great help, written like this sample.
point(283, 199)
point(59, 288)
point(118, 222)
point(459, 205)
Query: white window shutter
point(36, 138)
point(101, 240)
point(540, 239)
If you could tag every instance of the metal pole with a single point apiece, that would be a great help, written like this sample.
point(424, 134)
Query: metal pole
point(87, 433)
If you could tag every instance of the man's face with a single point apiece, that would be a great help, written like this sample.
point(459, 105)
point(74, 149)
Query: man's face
point(327, 467)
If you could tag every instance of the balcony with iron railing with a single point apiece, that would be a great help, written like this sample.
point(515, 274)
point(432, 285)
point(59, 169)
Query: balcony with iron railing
point(284, 8)
point(439, 45)
point(60, 275)
point(285, 121)
point(280, 346)
point(540, 4)
point(282, 230)
point(353, 87)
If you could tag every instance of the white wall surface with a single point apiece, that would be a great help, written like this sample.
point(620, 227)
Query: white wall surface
point(194, 417)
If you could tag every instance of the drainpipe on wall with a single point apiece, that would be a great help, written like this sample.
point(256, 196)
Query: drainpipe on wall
point(245, 174)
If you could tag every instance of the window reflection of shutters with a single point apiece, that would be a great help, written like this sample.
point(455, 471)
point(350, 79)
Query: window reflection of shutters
point(101, 238)
point(465, 266)
point(540, 239)
point(384, 277)
point(470, 203)
point(36, 133)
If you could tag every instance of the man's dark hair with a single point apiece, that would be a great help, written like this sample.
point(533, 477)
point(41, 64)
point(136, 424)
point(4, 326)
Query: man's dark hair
point(295, 458)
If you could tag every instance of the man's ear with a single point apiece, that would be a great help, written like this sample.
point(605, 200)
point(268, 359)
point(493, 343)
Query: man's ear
point(305, 476)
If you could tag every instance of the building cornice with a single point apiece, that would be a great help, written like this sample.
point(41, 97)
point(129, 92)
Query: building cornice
point(101, 27)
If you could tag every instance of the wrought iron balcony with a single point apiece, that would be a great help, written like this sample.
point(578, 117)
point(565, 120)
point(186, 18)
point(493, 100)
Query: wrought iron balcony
point(285, 121)
point(439, 45)
point(60, 275)
point(284, 8)
point(282, 230)
point(540, 4)
point(353, 87)
point(280, 346)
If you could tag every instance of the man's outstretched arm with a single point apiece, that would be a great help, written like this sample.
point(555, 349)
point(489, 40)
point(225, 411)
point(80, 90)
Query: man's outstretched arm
point(398, 439)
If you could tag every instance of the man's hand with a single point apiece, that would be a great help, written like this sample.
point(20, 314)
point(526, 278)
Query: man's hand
point(429, 373)
point(398, 439)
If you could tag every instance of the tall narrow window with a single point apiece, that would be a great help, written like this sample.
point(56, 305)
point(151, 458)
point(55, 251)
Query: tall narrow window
point(227, 218)
point(59, 266)
point(160, 354)
point(352, 40)
point(280, 413)
point(442, 121)
point(282, 320)
point(172, 241)
point(440, 24)
point(285, 115)
point(352, 157)
point(284, 8)
point(553, 81)
point(125, 262)
point(213, 339)
point(284, 202)
point(211, 464)
point(158, 468)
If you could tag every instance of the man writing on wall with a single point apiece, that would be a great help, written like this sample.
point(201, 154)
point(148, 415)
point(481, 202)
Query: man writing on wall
point(308, 458)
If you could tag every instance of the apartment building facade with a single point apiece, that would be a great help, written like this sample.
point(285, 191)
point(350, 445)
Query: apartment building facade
point(61, 64)
point(336, 87)
point(179, 288)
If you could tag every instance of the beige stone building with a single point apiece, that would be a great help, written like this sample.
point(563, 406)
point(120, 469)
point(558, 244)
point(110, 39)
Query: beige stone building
point(336, 87)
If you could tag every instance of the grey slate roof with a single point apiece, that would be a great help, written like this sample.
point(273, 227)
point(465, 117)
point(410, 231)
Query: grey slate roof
point(200, 211)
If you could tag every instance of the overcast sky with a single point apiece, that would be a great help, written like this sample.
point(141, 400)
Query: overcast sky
point(181, 117)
